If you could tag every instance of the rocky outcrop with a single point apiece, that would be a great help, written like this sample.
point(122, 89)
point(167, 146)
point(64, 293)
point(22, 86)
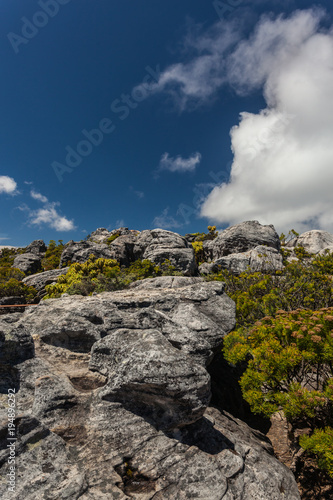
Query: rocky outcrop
point(241, 238)
point(80, 251)
point(159, 245)
point(312, 241)
point(30, 261)
point(139, 427)
point(260, 259)
point(40, 280)
point(101, 235)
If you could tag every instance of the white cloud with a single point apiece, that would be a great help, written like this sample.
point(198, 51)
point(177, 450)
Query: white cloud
point(38, 196)
point(282, 171)
point(7, 185)
point(166, 221)
point(179, 164)
point(49, 216)
point(196, 81)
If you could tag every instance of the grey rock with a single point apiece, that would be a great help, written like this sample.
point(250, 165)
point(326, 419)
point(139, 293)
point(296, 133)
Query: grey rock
point(11, 301)
point(312, 241)
point(40, 280)
point(151, 377)
point(101, 234)
point(36, 247)
point(193, 316)
point(28, 263)
point(158, 245)
point(80, 251)
point(260, 259)
point(16, 343)
point(241, 238)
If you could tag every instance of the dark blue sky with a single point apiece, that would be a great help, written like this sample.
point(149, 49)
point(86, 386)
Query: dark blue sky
point(64, 78)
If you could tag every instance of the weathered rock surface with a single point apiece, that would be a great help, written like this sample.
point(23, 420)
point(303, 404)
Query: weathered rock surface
point(36, 247)
point(101, 234)
point(151, 377)
point(159, 245)
point(261, 258)
point(80, 251)
point(193, 316)
point(28, 263)
point(16, 343)
point(312, 241)
point(114, 434)
point(40, 280)
point(241, 238)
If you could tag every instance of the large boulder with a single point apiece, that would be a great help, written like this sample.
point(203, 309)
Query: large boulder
point(312, 241)
point(193, 316)
point(101, 235)
point(151, 377)
point(36, 247)
point(159, 245)
point(241, 238)
point(138, 430)
point(16, 343)
point(40, 280)
point(28, 263)
point(260, 259)
point(80, 251)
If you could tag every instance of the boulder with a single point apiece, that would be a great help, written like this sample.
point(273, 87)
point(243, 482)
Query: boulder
point(40, 280)
point(140, 428)
point(80, 251)
point(159, 245)
point(36, 247)
point(28, 263)
point(241, 238)
point(16, 343)
point(261, 258)
point(193, 316)
point(101, 234)
point(312, 241)
point(151, 377)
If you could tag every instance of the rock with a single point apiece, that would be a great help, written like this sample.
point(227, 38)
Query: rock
point(40, 280)
point(16, 344)
point(37, 247)
point(80, 251)
point(10, 301)
point(159, 245)
point(260, 259)
point(101, 234)
point(28, 263)
point(241, 238)
point(151, 377)
point(192, 314)
point(103, 437)
point(312, 241)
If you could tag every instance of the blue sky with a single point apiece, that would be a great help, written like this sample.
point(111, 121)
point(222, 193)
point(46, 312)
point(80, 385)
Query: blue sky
point(177, 114)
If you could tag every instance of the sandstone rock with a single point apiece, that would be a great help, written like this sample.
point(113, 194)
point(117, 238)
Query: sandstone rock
point(193, 316)
point(78, 439)
point(101, 234)
point(260, 259)
point(28, 263)
point(151, 377)
point(312, 241)
point(16, 343)
point(80, 251)
point(36, 247)
point(241, 238)
point(159, 245)
point(40, 280)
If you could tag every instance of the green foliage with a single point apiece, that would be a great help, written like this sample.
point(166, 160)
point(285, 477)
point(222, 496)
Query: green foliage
point(198, 251)
point(7, 256)
point(52, 255)
point(320, 443)
point(100, 275)
point(7, 273)
point(292, 234)
point(112, 238)
point(299, 285)
point(290, 360)
point(15, 288)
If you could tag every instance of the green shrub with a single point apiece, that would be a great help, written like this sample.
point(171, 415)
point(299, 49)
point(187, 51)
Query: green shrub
point(100, 275)
point(52, 255)
point(7, 273)
point(15, 288)
point(112, 238)
point(320, 444)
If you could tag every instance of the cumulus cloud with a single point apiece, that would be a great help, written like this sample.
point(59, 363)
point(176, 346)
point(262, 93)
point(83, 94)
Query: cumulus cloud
point(166, 221)
point(282, 170)
point(179, 164)
point(50, 216)
point(7, 185)
point(283, 155)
